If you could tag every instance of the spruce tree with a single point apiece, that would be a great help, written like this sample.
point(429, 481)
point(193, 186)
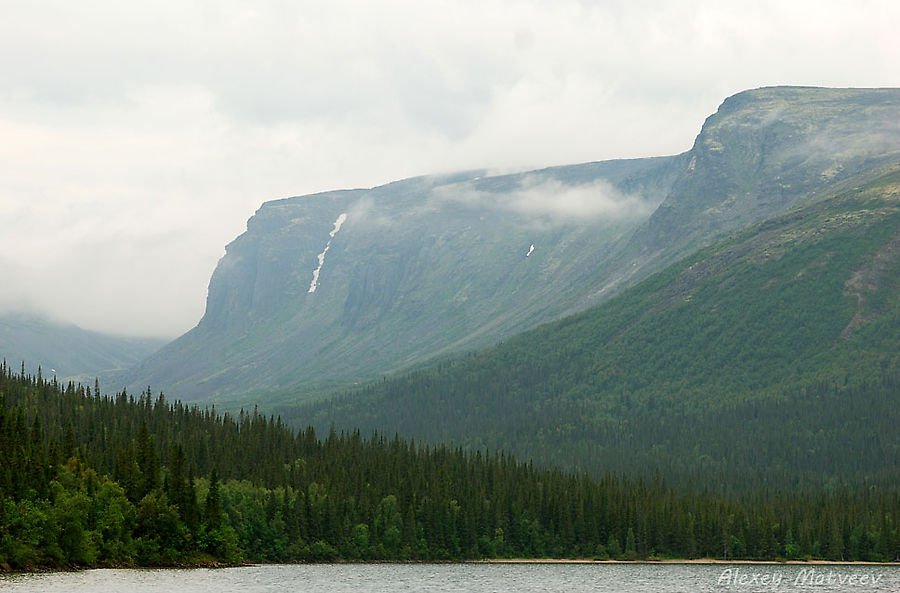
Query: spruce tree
point(212, 508)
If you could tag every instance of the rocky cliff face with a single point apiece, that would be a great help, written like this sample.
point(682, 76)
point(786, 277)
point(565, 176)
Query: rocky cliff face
point(345, 286)
point(353, 284)
point(768, 150)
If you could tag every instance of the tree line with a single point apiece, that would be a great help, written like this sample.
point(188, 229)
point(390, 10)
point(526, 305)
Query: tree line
point(95, 480)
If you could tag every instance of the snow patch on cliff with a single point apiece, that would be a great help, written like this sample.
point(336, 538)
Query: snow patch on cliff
point(337, 227)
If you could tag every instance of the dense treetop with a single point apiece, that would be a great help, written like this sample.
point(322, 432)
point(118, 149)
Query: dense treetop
point(94, 480)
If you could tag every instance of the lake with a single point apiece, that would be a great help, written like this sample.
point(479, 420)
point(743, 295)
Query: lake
point(469, 578)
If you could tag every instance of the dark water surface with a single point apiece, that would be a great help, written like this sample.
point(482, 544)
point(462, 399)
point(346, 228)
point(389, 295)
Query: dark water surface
point(469, 578)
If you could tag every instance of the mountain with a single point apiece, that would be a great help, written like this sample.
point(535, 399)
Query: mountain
point(66, 350)
point(349, 285)
point(763, 152)
point(326, 290)
point(770, 358)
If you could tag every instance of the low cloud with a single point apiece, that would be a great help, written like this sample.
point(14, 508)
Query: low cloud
point(537, 197)
point(138, 138)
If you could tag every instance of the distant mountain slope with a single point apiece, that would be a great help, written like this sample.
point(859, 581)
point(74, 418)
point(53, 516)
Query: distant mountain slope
point(772, 357)
point(326, 290)
point(67, 350)
point(349, 285)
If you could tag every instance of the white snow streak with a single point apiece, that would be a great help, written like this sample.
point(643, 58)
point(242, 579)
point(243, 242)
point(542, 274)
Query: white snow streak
point(337, 226)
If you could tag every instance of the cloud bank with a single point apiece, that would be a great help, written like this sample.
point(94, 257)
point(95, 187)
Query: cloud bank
point(137, 138)
point(543, 199)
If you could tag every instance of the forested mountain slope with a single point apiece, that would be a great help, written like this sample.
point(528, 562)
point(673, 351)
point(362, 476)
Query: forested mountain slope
point(334, 288)
point(771, 357)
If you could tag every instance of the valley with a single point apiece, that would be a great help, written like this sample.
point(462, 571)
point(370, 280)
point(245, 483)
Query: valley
point(675, 357)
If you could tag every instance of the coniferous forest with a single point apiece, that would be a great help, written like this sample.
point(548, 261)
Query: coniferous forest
point(95, 480)
point(769, 359)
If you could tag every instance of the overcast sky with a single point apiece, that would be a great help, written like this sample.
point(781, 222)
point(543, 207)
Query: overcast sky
point(137, 138)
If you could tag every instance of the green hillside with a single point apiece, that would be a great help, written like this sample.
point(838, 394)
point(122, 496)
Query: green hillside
point(772, 357)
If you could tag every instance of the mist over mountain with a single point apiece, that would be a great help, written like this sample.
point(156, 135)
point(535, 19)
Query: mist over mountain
point(350, 285)
point(765, 151)
point(768, 150)
point(66, 350)
point(769, 359)
point(326, 290)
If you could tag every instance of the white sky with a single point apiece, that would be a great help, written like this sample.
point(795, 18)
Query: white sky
point(136, 138)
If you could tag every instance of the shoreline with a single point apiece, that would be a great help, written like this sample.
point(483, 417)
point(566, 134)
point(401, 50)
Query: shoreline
point(684, 561)
point(659, 561)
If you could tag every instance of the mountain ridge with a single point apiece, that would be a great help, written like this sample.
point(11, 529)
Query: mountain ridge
point(436, 265)
point(778, 346)
point(432, 222)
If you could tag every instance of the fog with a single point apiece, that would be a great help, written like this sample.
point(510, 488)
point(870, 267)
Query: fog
point(549, 200)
